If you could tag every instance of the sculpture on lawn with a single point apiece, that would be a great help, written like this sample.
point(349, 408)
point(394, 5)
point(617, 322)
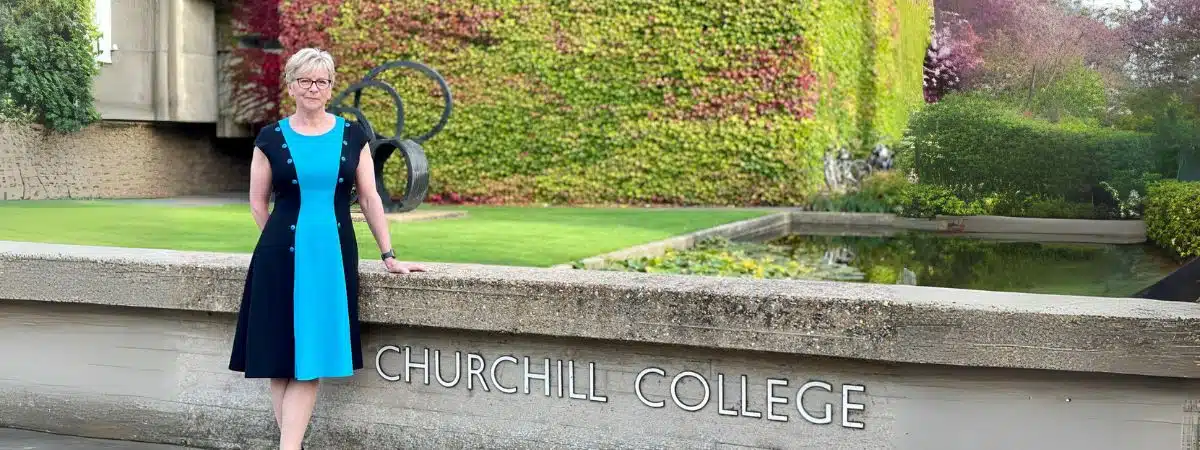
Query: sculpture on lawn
point(383, 146)
point(843, 173)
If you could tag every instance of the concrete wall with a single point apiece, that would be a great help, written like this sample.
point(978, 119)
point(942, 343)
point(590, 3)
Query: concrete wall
point(116, 160)
point(164, 67)
point(157, 375)
point(133, 344)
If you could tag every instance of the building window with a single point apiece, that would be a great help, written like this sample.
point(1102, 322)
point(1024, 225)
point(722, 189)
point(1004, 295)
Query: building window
point(103, 17)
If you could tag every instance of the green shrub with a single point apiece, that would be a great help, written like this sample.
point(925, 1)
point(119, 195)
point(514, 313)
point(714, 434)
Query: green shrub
point(1175, 126)
point(1172, 215)
point(1177, 141)
point(929, 201)
point(1041, 207)
point(47, 61)
point(632, 101)
point(891, 192)
point(879, 192)
point(977, 147)
point(1077, 94)
point(10, 111)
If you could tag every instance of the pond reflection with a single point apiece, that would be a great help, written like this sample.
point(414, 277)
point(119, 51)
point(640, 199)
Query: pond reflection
point(1107, 270)
point(957, 262)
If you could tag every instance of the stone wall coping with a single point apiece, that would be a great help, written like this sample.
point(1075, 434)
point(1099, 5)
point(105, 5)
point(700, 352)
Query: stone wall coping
point(889, 323)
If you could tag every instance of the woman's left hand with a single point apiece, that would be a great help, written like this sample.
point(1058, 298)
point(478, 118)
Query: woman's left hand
point(394, 266)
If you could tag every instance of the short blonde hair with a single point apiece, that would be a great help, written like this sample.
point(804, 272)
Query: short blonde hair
point(306, 60)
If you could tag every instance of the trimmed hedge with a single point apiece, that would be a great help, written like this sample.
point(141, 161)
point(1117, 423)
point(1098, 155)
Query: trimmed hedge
point(47, 61)
point(622, 101)
point(1172, 215)
point(976, 147)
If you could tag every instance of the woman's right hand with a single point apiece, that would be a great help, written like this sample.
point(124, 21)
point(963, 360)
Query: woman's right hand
point(395, 266)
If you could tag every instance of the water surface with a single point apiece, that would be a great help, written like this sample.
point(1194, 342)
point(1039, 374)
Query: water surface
point(1108, 270)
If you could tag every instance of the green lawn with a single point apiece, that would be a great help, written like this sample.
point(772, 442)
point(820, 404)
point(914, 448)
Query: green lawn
point(524, 236)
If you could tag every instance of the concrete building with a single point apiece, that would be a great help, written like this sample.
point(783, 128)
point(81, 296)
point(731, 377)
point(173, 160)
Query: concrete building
point(163, 133)
point(163, 62)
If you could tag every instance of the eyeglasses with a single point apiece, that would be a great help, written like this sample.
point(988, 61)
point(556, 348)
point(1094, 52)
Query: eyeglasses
point(306, 83)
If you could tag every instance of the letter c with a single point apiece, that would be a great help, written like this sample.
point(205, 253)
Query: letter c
point(637, 386)
point(496, 380)
point(379, 367)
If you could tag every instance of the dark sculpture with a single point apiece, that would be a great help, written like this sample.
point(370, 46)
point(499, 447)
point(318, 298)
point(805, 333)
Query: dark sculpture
point(880, 159)
point(383, 146)
point(843, 173)
point(1182, 285)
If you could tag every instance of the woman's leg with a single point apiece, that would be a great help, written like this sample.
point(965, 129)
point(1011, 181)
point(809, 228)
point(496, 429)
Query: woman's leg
point(298, 402)
point(278, 387)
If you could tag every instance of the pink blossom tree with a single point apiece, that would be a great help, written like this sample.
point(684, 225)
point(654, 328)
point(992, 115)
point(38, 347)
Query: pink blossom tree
point(1165, 38)
point(1029, 46)
point(952, 56)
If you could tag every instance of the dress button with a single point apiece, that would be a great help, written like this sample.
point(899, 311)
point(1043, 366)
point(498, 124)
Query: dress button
point(347, 125)
point(276, 128)
point(339, 224)
point(345, 142)
point(289, 160)
point(292, 249)
point(293, 227)
point(295, 181)
point(343, 159)
point(284, 145)
point(339, 180)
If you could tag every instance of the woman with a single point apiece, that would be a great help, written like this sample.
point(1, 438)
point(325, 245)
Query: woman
point(299, 314)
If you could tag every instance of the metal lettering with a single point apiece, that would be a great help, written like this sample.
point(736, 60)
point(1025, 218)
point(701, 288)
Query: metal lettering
point(637, 386)
point(591, 385)
point(544, 376)
point(559, 379)
point(675, 391)
point(772, 400)
point(476, 371)
point(721, 398)
point(800, 403)
point(565, 385)
point(409, 365)
point(496, 380)
point(379, 367)
point(437, 373)
point(847, 406)
point(571, 382)
point(746, 412)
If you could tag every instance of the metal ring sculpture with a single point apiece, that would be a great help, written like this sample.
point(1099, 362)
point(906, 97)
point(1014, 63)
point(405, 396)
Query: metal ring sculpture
point(383, 147)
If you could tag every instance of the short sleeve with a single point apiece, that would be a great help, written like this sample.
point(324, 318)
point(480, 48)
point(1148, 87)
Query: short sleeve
point(263, 140)
point(360, 133)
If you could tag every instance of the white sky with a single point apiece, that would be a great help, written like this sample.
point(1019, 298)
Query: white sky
point(1113, 3)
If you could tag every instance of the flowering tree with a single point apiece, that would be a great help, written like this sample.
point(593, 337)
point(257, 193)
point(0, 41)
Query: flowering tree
point(951, 56)
point(1165, 38)
point(1029, 48)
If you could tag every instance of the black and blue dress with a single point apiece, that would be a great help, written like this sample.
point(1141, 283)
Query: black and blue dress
point(299, 309)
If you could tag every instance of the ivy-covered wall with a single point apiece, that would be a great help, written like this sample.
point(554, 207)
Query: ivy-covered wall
point(632, 101)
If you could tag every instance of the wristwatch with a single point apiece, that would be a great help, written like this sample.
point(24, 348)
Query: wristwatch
point(388, 254)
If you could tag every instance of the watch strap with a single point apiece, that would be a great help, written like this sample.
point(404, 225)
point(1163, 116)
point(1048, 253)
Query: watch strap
point(388, 254)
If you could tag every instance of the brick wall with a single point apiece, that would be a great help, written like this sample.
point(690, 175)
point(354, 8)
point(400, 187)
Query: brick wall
point(116, 160)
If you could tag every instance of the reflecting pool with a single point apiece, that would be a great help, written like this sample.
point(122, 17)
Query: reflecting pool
point(927, 259)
